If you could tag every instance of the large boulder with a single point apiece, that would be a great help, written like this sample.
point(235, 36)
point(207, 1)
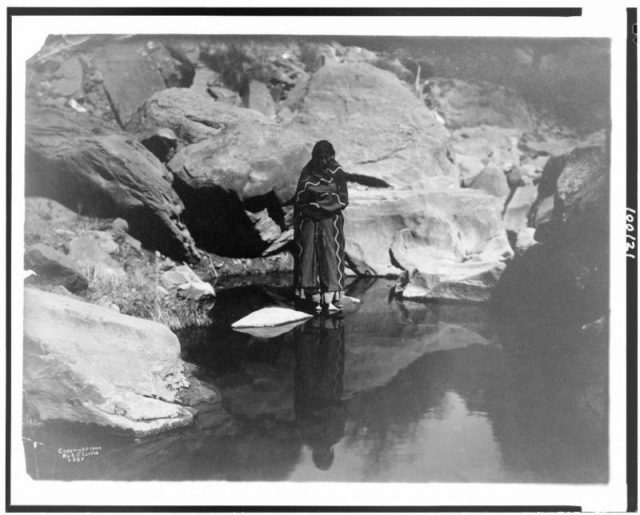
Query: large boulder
point(83, 164)
point(192, 116)
point(133, 70)
point(53, 267)
point(232, 165)
point(378, 127)
point(251, 159)
point(470, 104)
point(566, 275)
point(85, 363)
point(452, 229)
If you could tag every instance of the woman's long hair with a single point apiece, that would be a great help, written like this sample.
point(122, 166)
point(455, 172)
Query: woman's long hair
point(323, 155)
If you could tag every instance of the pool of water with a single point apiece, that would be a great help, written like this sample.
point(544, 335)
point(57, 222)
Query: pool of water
point(387, 391)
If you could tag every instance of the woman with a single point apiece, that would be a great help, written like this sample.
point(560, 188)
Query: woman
point(319, 229)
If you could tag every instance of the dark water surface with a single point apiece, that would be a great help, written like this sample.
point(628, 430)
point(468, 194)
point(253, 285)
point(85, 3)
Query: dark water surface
point(389, 391)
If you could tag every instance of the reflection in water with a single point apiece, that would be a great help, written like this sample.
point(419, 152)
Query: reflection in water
point(320, 411)
point(389, 391)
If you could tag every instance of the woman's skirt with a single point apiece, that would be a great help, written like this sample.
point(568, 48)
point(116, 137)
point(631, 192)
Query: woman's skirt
point(319, 254)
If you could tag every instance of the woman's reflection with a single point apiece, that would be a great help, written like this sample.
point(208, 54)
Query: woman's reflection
point(320, 411)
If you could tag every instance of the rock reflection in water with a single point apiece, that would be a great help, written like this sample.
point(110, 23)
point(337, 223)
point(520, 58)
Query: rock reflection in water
point(390, 391)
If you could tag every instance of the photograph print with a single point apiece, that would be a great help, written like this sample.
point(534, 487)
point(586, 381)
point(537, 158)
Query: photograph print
point(316, 258)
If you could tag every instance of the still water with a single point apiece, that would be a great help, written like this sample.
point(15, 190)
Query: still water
point(387, 391)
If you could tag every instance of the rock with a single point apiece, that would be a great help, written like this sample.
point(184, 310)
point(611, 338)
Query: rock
point(84, 363)
point(203, 79)
point(83, 165)
point(133, 71)
point(556, 141)
point(43, 214)
point(270, 317)
point(388, 231)
point(178, 275)
point(224, 95)
point(470, 104)
point(196, 291)
point(105, 241)
point(129, 78)
point(269, 230)
point(250, 160)
point(106, 303)
point(525, 239)
point(492, 180)
point(277, 245)
point(472, 282)
point(87, 253)
point(187, 283)
point(119, 227)
point(259, 98)
point(53, 267)
point(191, 116)
point(475, 148)
point(567, 274)
point(70, 78)
point(265, 333)
point(356, 54)
point(162, 291)
point(378, 127)
point(515, 217)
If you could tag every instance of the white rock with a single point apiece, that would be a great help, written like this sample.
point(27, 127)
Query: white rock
point(85, 363)
point(196, 290)
point(270, 317)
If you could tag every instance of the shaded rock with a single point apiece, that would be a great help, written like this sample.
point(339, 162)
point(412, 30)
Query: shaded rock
point(378, 127)
point(566, 275)
point(388, 231)
point(82, 164)
point(89, 255)
point(470, 104)
point(53, 267)
point(491, 180)
point(84, 363)
point(547, 185)
point(258, 98)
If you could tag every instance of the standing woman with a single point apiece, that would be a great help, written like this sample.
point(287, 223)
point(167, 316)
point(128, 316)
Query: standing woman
point(319, 229)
